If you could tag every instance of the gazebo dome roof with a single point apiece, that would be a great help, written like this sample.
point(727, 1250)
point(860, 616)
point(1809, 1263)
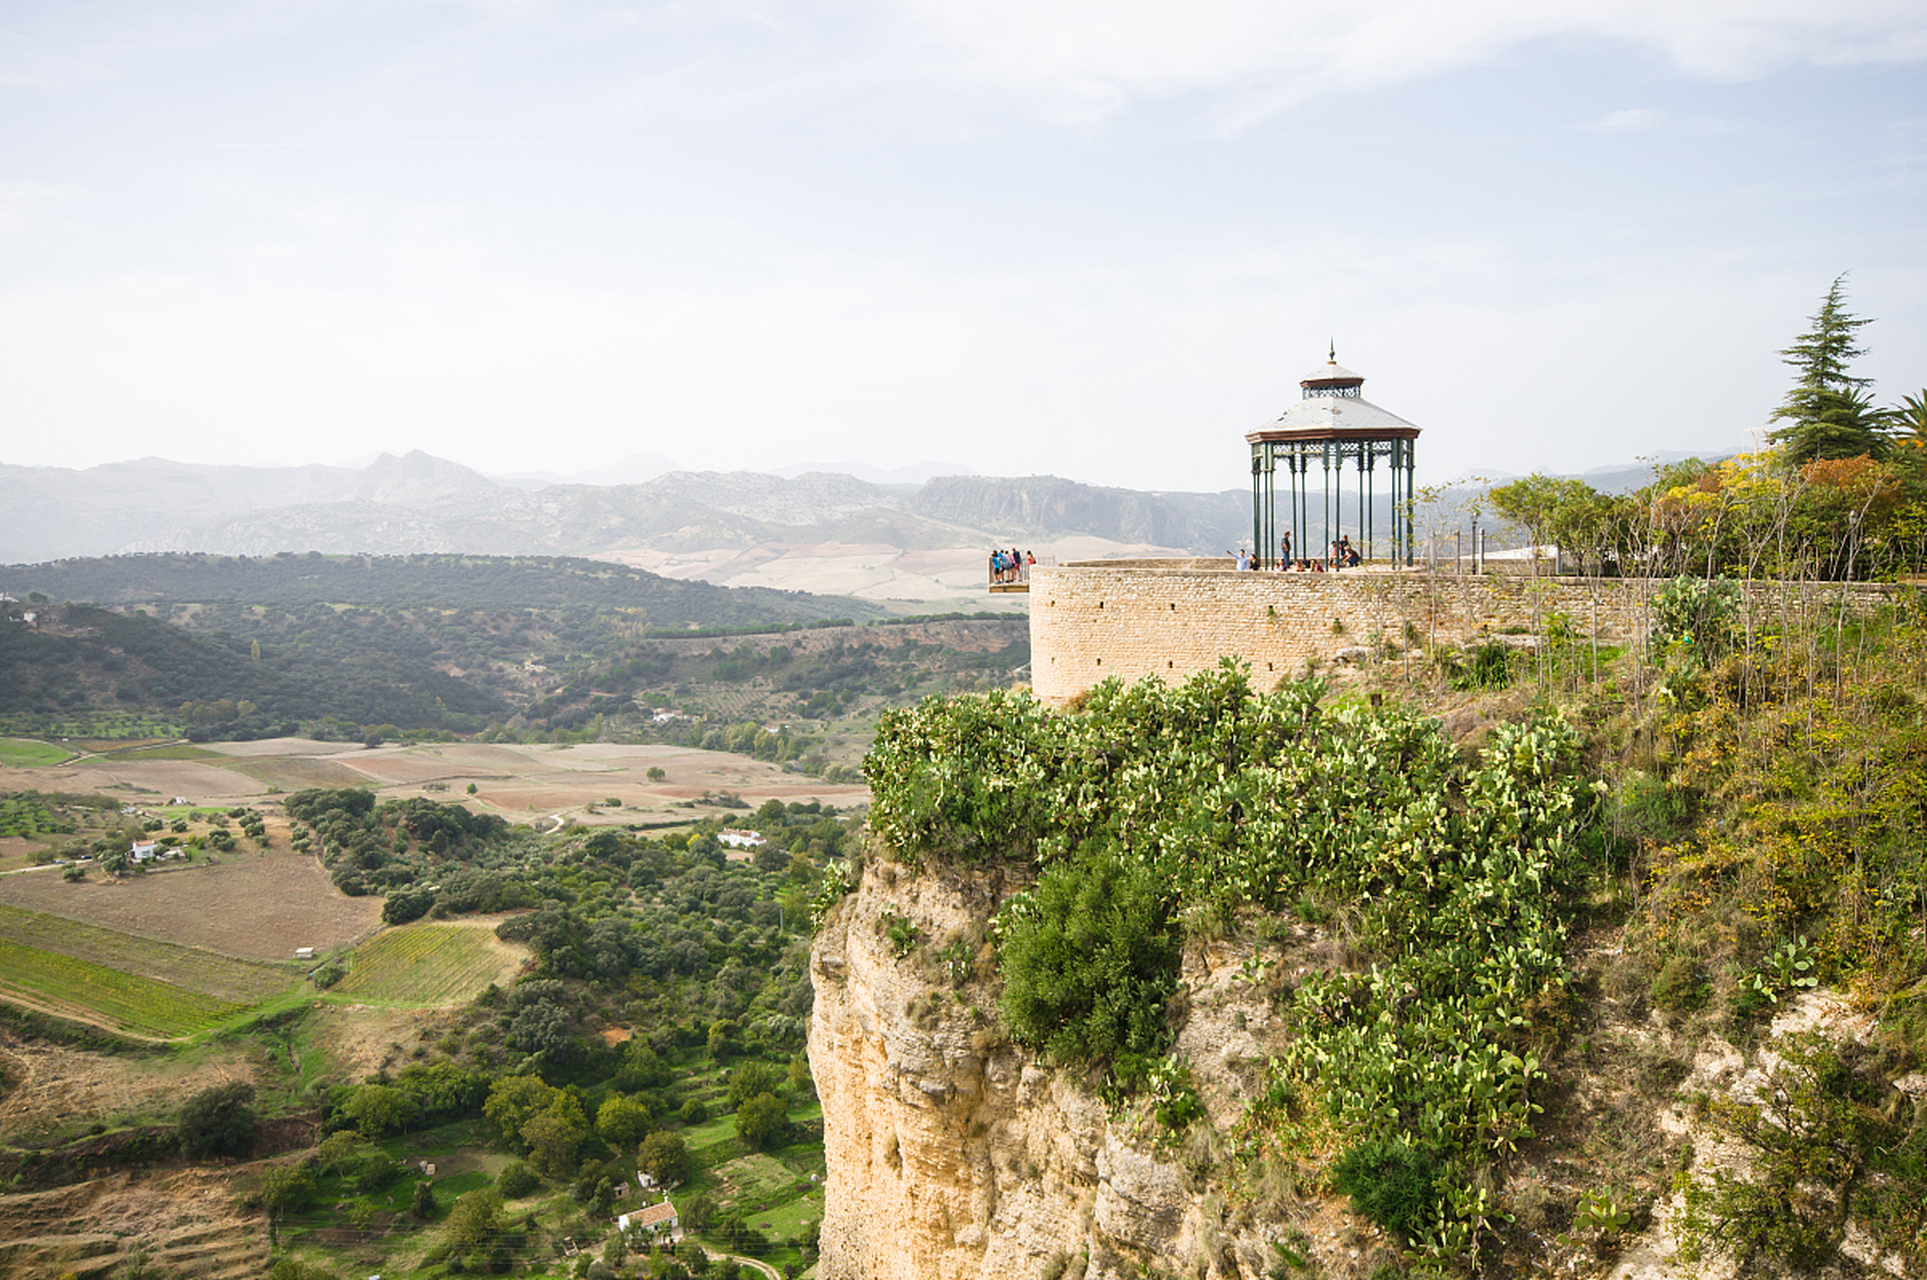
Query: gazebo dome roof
point(1331, 374)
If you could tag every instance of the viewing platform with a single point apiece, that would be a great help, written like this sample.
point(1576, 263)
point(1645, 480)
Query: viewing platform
point(1004, 576)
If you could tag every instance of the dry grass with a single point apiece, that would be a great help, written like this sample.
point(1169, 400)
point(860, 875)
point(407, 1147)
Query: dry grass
point(61, 1088)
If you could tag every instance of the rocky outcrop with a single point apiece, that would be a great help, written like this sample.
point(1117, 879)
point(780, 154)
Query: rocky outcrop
point(954, 1155)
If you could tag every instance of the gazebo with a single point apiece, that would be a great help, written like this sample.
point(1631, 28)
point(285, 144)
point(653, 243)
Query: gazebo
point(1330, 426)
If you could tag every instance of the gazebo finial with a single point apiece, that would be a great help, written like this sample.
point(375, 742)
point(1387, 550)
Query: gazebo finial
point(1331, 352)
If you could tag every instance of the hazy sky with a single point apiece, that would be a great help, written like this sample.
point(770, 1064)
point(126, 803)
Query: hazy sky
point(1097, 239)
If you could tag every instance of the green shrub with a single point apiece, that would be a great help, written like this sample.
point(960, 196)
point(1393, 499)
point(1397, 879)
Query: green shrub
point(761, 1121)
point(1822, 1153)
point(1089, 958)
point(376, 1171)
point(1679, 986)
point(1489, 666)
point(516, 1180)
point(1389, 1182)
point(218, 1121)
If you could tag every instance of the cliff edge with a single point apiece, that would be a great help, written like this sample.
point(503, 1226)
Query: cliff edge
point(954, 1155)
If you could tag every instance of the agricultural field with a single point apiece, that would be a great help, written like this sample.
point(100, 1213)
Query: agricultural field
point(93, 993)
point(136, 986)
point(430, 964)
point(209, 973)
point(22, 753)
point(522, 782)
point(256, 906)
point(773, 1192)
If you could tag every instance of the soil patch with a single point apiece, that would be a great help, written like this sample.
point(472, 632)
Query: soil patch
point(312, 747)
point(294, 773)
point(257, 906)
point(199, 781)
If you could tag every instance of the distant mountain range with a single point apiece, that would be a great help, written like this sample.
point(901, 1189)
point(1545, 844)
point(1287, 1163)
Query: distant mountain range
point(815, 531)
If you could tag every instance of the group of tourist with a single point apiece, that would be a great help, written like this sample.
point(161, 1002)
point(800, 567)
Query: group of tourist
point(1010, 566)
point(1343, 556)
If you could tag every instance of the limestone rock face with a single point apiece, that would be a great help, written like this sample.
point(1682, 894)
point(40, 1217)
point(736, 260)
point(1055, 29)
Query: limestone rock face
point(953, 1155)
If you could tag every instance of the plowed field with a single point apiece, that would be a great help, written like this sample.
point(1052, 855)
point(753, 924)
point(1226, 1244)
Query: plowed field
point(259, 906)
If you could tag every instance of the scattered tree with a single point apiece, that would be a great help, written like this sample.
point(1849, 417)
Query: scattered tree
point(1828, 413)
point(339, 1151)
point(750, 1079)
point(623, 1122)
point(474, 1222)
point(665, 1158)
point(513, 1101)
point(285, 1189)
point(761, 1121)
point(555, 1136)
point(218, 1121)
point(379, 1110)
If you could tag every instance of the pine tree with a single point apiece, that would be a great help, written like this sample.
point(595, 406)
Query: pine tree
point(1828, 412)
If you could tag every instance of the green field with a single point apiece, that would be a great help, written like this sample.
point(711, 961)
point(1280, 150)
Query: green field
point(28, 753)
point(427, 965)
point(82, 989)
point(224, 979)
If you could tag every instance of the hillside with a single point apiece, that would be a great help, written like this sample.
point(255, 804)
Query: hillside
point(420, 581)
point(87, 666)
point(380, 1104)
point(237, 647)
point(817, 532)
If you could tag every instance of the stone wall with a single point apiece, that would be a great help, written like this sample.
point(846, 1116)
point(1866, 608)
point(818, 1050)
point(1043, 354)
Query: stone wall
point(1172, 619)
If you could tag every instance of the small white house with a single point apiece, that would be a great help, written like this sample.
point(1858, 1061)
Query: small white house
point(143, 850)
point(659, 1218)
point(738, 839)
point(304, 953)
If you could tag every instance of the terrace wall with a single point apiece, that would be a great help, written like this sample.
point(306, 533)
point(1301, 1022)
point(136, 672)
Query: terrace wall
point(1174, 618)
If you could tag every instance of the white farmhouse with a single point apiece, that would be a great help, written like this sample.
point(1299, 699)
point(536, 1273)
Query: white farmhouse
point(659, 1218)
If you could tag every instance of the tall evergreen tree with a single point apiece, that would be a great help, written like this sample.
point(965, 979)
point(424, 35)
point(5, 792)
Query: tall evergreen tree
point(1828, 413)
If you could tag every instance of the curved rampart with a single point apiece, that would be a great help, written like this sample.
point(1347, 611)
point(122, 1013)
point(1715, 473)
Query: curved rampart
point(1095, 619)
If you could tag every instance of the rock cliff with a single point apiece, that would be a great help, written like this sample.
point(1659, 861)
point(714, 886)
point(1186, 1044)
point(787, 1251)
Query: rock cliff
point(954, 1155)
